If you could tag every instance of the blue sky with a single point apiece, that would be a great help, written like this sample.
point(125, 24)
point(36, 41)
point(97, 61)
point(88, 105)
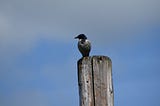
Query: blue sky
point(38, 55)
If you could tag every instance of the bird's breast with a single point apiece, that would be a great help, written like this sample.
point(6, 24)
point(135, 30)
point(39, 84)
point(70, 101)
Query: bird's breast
point(84, 45)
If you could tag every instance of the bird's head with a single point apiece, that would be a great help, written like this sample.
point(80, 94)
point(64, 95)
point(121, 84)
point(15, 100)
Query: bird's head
point(81, 36)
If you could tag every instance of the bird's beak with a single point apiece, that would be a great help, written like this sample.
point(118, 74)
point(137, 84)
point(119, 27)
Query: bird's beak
point(75, 37)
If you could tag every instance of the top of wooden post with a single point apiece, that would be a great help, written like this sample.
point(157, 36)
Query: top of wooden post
point(99, 57)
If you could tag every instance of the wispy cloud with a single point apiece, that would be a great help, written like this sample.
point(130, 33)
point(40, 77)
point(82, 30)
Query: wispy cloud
point(23, 22)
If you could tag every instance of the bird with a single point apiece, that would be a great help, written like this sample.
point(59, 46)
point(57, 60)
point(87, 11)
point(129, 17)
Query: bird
point(84, 45)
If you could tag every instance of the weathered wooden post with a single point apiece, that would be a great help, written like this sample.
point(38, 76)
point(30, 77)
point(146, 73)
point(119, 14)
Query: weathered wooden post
point(95, 81)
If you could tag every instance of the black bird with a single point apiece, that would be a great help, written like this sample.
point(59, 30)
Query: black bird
point(84, 45)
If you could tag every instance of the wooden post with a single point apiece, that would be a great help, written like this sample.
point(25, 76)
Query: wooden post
point(95, 81)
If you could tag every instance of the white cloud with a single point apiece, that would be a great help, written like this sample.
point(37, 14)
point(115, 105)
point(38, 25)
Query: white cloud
point(24, 22)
